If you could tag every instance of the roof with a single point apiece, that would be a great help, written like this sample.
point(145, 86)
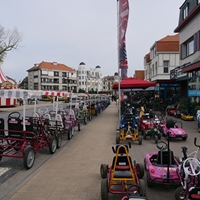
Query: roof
point(170, 43)
point(50, 66)
point(2, 76)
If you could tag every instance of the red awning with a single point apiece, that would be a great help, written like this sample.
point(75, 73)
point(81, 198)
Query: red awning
point(133, 83)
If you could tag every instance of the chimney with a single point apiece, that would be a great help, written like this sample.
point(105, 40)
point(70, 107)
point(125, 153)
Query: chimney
point(55, 63)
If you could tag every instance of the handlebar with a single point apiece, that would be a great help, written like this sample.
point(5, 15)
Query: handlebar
point(195, 142)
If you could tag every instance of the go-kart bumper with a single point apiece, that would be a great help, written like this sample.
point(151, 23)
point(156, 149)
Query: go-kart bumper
point(158, 175)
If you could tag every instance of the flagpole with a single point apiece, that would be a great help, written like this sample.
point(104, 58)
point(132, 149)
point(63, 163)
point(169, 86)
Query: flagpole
point(119, 74)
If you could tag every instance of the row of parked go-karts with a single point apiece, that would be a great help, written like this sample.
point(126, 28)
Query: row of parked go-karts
point(125, 177)
point(23, 136)
point(137, 125)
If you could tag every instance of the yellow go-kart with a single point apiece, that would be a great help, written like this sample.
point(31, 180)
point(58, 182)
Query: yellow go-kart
point(187, 117)
point(128, 129)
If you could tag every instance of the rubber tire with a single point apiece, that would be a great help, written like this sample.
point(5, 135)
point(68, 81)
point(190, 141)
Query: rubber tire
point(143, 186)
point(184, 138)
point(59, 140)
point(140, 170)
point(104, 189)
point(149, 183)
point(145, 168)
point(29, 154)
point(53, 145)
point(69, 135)
point(103, 171)
point(117, 139)
point(79, 126)
point(156, 139)
point(177, 192)
point(140, 139)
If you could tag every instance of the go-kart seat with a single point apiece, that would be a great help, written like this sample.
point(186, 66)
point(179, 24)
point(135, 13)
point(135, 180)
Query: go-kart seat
point(120, 162)
point(164, 157)
point(2, 134)
point(15, 127)
point(29, 128)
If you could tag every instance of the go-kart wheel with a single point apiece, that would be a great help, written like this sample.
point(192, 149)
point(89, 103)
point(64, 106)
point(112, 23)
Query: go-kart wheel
point(156, 139)
point(59, 140)
point(53, 145)
point(73, 131)
point(145, 167)
point(29, 157)
point(143, 186)
point(69, 135)
point(117, 139)
point(138, 191)
point(162, 145)
point(140, 139)
point(140, 170)
point(14, 114)
point(184, 138)
point(149, 181)
point(104, 189)
point(79, 126)
point(180, 193)
point(103, 171)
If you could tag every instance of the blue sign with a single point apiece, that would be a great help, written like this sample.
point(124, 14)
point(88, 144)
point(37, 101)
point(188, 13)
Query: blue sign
point(193, 93)
point(168, 85)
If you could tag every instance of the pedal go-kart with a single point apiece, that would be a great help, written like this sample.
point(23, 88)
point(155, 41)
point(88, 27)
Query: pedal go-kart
point(189, 172)
point(128, 129)
point(25, 137)
point(135, 195)
point(150, 129)
point(174, 129)
point(162, 166)
point(187, 117)
point(117, 178)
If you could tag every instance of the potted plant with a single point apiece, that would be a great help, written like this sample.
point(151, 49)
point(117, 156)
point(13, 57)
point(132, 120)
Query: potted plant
point(184, 104)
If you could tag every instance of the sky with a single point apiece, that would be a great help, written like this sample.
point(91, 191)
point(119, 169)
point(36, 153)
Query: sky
point(74, 31)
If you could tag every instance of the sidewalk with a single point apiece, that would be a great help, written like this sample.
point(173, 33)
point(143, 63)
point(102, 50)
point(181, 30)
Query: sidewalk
point(73, 172)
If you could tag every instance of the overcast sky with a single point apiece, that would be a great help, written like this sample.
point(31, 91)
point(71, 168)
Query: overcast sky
point(74, 31)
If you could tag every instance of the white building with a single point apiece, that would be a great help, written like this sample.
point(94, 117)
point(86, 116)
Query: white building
point(89, 80)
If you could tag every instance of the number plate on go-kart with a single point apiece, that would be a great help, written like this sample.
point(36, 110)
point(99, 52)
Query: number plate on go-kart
point(195, 196)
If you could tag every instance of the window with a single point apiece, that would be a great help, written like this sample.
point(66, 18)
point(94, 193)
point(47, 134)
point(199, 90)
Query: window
point(187, 48)
point(165, 66)
point(56, 73)
point(185, 12)
point(198, 1)
point(156, 68)
point(64, 74)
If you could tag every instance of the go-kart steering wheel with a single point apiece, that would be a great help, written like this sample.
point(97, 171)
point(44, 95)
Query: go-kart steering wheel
point(43, 110)
point(162, 145)
point(191, 166)
point(135, 193)
point(14, 114)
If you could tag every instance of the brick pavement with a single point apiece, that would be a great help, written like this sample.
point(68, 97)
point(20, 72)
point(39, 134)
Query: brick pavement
point(73, 172)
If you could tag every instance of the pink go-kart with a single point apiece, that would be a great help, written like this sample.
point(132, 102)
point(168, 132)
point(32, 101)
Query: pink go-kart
point(174, 129)
point(162, 166)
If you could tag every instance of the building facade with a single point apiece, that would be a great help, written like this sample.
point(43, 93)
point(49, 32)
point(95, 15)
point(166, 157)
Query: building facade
point(52, 76)
point(163, 57)
point(89, 80)
point(189, 31)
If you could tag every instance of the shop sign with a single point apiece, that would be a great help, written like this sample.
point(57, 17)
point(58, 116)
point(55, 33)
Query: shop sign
point(192, 93)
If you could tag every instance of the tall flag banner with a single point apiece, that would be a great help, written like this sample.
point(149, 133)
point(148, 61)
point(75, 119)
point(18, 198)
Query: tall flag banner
point(123, 22)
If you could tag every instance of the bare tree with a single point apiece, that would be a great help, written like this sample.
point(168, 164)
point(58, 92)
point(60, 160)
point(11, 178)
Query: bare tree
point(8, 40)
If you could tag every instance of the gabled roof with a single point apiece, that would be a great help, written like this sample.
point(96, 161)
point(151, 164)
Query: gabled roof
point(50, 66)
point(170, 43)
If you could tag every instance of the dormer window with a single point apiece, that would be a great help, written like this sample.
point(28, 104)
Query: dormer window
point(185, 12)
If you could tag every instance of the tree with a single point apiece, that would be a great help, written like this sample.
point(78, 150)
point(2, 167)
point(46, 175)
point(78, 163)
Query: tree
point(8, 40)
